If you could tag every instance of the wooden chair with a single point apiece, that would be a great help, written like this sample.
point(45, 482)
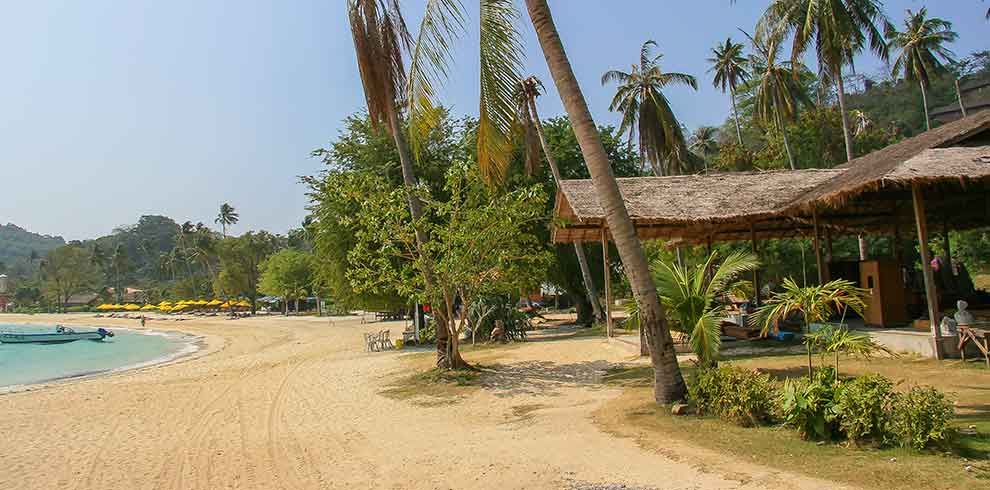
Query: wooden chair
point(978, 336)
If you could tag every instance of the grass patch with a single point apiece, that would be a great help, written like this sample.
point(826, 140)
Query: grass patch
point(434, 387)
point(635, 414)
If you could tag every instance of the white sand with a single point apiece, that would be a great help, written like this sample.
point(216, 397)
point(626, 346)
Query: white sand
point(295, 403)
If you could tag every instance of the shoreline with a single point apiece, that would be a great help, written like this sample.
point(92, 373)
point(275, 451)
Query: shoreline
point(193, 346)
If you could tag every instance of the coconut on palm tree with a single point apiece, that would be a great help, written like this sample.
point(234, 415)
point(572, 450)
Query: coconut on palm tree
point(703, 142)
point(526, 94)
point(922, 50)
point(668, 384)
point(226, 217)
point(778, 90)
point(729, 65)
point(839, 30)
point(647, 112)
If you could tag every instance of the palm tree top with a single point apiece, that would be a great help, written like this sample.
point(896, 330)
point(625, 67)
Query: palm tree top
point(729, 65)
point(922, 44)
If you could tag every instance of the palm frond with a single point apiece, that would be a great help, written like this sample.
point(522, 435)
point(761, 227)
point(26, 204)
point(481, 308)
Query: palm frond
point(442, 24)
point(501, 64)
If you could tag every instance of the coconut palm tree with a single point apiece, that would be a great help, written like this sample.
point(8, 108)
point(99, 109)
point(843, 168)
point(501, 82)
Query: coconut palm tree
point(526, 94)
point(703, 142)
point(839, 29)
point(226, 217)
point(729, 65)
point(778, 91)
point(922, 50)
point(646, 111)
point(668, 385)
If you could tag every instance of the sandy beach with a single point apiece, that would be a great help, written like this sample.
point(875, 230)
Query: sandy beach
point(295, 403)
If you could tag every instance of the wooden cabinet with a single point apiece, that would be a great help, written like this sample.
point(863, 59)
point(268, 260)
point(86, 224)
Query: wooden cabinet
point(888, 299)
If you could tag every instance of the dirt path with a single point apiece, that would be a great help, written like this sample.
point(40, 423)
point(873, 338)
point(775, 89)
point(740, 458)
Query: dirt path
point(296, 404)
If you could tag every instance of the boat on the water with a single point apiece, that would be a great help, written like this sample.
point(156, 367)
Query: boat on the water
point(62, 335)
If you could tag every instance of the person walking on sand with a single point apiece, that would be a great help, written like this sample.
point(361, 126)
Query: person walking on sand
point(142, 321)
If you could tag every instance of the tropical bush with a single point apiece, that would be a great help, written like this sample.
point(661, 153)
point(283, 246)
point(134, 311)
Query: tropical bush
point(921, 417)
point(808, 405)
point(487, 311)
point(737, 395)
point(864, 408)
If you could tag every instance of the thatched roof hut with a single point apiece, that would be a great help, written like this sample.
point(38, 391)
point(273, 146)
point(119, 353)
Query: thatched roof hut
point(866, 195)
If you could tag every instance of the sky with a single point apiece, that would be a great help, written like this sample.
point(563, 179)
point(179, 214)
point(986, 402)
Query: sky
point(111, 109)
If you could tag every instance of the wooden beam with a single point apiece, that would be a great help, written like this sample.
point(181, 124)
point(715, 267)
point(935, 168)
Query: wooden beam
point(818, 247)
point(608, 285)
point(926, 266)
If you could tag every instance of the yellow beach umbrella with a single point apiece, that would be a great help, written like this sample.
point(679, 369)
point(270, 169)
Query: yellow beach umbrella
point(148, 307)
point(131, 307)
point(215, 302)
point(201, 302)
point(103, 307)
point(243, 304)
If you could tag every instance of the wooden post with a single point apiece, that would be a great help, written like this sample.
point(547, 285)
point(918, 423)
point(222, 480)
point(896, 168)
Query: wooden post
point(818, 247)
point(926, 266)
point(756, 270)
point(608, 285)
point(827, 273)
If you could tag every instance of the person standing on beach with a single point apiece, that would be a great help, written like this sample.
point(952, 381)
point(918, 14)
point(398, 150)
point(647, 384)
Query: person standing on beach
point(142, 321)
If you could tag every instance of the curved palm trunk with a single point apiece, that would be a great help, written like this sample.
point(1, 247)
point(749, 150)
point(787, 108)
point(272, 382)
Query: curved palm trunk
point(846, 131)
point(962, 106)
point(735, 113)
point(924, 101)
point(668, 383)
point(787, 143)
point(582, 258)
point(448, 357)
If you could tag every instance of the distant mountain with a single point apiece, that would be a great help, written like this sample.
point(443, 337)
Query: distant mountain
point(16, 245)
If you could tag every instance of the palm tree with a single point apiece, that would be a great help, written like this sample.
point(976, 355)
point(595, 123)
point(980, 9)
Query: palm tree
point(703, 142)
point(226, 217)
point(816, 304)
point(380, 36)
point(668, 383)
point(527, 92)
point(839, 29)
point(691, 293)
point(922, 50)
point(729, 65)
point(778, 91)
point(646, 110)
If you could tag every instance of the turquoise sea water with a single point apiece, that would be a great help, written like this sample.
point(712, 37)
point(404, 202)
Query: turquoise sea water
point(22, 364)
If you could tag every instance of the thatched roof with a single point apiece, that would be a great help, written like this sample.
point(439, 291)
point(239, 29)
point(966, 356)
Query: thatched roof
point(779, 204)
point(870, 172)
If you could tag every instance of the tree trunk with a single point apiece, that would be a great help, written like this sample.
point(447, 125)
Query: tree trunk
point(582, 258)
point(668, 383)
point(787, 144)
point(296, 306)
point(735, 113)
point(924, 102)
point(962, 106)
point(416, 211)
point(846, 131)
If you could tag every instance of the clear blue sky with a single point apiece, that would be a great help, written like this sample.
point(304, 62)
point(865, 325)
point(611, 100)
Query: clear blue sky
point(113, 109)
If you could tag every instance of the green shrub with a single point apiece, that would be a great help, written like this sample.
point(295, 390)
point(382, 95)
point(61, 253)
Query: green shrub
point(921, 417)
point(737, 395)
point(809, 406)
point(864, 408)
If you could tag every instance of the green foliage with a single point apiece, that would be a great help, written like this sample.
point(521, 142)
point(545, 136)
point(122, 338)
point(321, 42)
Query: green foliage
point(734, 394)
point(287, 273)
point(809, 406)
point(486, 312)
point(240, 262)
point(733, 157)
point(816, 303)
point(20, 249)
point(921, 417)
point(864, 407)
point(69, 270)
point(690, 294)
point(837, 339)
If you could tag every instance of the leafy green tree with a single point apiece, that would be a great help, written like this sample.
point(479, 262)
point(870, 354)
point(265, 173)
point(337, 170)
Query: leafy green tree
point(646, 110)
point(240, 264)
point(729, 65)
point(226, 217)
point(704, 143)
point(481, 244)
point(68, 270)
point(922, 51)
point(289, 274)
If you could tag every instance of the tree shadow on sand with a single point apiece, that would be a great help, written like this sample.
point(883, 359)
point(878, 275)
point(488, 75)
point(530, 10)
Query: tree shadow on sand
point(543, 378)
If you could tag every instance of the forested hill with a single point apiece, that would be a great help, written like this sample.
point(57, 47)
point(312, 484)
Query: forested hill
point(16, 244)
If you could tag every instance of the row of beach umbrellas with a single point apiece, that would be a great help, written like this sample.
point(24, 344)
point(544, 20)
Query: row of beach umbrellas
point(168, 306)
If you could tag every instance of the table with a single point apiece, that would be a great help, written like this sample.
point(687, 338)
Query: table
point(978, 336)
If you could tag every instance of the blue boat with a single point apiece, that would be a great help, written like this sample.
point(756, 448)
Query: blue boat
point(62, 335)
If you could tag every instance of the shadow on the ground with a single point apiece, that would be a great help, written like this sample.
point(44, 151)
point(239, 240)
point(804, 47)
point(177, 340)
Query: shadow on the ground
point(543, 378)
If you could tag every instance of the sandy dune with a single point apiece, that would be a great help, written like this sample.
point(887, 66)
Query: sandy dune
point(296, 404)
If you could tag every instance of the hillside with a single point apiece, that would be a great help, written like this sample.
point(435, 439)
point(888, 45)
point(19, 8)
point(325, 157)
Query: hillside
point(16, 245)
